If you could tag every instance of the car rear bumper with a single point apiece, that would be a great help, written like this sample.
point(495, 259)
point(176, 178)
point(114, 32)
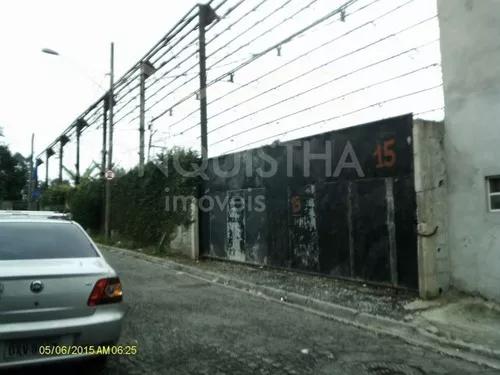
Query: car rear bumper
point(101, 328)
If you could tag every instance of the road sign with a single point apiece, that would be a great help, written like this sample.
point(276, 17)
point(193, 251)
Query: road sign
point(109, 175)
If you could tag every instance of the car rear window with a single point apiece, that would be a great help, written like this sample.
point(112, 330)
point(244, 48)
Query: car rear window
point(23, 240)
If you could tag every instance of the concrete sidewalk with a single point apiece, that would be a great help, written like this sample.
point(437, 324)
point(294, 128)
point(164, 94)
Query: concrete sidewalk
point(468, 322)
point(455, 325)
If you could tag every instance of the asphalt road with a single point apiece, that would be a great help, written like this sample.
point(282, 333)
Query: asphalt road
point(183, 325)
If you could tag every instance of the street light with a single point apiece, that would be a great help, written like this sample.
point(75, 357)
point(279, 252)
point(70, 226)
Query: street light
point(49, 51)
point(110, 98)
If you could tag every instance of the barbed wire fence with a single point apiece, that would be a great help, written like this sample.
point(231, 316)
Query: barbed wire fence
point(275, 70)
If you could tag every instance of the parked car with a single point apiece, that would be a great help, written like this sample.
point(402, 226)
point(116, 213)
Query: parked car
point(56, 289)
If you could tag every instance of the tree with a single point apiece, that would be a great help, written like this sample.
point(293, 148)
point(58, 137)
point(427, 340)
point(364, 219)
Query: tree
point(93, 171)
point(55, 197)
point(13, 174)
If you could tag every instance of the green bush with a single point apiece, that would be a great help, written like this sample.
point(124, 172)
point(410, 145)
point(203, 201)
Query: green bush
point(55, 197)
point(86, 204)
point(138, 204)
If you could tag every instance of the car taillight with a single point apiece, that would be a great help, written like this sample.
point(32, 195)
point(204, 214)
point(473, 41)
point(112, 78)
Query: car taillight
point(106, 291)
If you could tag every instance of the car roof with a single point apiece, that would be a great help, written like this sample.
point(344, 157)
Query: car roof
point(34, 216)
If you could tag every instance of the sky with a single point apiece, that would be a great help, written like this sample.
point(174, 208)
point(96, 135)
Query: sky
point(346, 71)
point(43, 94)
point(357, 65)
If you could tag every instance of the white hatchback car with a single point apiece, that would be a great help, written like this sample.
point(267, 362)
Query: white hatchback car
point(56, 290)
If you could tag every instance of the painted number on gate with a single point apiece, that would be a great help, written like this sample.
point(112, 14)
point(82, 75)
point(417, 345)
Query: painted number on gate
point(385, 154)
point(296, 205)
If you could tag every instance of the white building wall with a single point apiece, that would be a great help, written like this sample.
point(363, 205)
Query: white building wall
point(470, 47)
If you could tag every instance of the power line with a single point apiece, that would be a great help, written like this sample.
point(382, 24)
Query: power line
point(220, 60)
point(255, 57)
point(342, 96)
point(124, 105)
point(229, 27)
point(428, 111)
point(137, 95)
point(135, 87)
point(127, 113)
point(307, 53)
point(339, 116)
point(188, 18)
point(310, 89)
point(318, 67)
point(193, 42)
point(124, 79)
point(284, 41)
point(254, 25)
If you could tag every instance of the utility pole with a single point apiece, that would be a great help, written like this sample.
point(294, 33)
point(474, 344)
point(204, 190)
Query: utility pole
point(61, 157)
point(62, 141)
point(30, 181)
point(48, 153)
point(104, 135)
point(206, 15)
point(142, 110)
point(61, 154)
point(36, 188)
point(79, 126)
point(77, 164)
point(107, 208)
point(147, 69)
point(203, 15)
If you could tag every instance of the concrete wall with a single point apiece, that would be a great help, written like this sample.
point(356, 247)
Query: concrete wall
point(470, 47)
point(185, 240)
point(432, 214)
point(6, 205)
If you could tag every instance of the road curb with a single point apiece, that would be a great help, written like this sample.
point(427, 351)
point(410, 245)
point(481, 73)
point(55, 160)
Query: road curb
point(407, 331)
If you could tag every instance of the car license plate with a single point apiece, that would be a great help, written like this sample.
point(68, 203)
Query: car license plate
point(17, 350)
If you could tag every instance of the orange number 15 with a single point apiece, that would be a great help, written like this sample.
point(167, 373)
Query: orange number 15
point(385, 155)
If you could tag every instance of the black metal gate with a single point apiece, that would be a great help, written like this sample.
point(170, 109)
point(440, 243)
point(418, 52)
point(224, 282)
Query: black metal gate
point(340, 203)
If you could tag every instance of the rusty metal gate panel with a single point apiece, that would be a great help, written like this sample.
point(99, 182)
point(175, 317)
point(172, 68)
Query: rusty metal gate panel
point(238, 228)
point(303, 229)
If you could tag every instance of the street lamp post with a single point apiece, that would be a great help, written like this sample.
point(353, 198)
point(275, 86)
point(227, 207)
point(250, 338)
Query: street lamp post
point(109, 151)
point(50, 51)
